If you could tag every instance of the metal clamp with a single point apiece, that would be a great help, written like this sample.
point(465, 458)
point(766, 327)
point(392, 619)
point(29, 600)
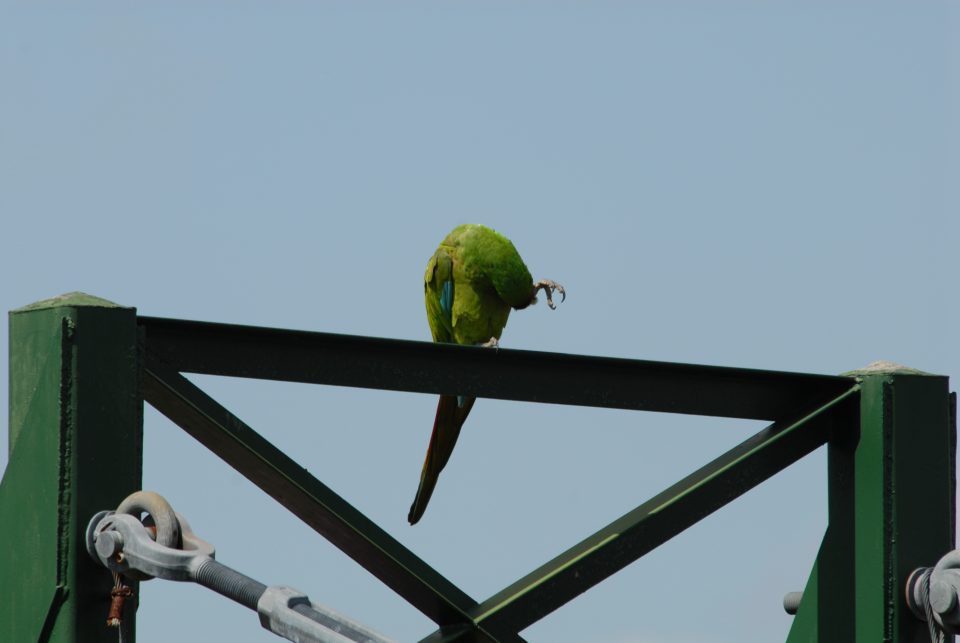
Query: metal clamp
point(937, 589)
point(123, 544)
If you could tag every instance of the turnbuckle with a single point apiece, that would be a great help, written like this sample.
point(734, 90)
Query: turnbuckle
point(167, 548)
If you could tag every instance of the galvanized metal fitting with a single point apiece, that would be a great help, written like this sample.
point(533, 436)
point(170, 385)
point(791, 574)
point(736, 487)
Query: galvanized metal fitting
point(791, 602)
point(933, 592)
point(123, 544)
point(156, 506)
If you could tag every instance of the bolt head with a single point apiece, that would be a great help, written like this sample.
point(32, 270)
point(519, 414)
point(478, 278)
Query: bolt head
point(108, 543)
point(943, 599)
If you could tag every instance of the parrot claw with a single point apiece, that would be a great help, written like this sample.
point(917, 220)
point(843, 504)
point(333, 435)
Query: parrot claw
point(549, 287)
point(493, 342)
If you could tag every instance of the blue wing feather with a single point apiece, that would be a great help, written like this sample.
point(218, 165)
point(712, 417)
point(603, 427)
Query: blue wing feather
point(446, 307)
point(446, 299)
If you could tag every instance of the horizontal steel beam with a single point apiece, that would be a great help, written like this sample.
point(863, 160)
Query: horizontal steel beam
point(661, 518)
point(349, 360)
point(308, 498)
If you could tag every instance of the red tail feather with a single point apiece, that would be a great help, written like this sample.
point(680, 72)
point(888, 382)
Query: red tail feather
point(446, 429)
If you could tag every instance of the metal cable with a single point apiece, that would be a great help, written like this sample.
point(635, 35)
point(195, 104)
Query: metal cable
point(936, 636)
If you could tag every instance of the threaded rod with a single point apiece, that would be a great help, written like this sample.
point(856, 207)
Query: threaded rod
point(229, 583)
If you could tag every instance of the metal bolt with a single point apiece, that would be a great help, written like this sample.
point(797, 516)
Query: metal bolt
point(791, 602)
point(943, 598)
point(108, 543)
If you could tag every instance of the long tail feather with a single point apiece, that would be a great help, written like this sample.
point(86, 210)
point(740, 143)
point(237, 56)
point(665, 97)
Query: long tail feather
point(446, 430)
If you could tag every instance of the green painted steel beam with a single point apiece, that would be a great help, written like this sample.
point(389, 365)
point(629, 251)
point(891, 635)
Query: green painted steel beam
point(308, 498)
point(826, 611)
point(425, 367)
point(75, 442)
point(904, 468)
point(660, 518)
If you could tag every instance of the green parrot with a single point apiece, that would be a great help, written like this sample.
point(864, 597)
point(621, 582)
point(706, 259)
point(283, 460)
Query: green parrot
point(472, 281)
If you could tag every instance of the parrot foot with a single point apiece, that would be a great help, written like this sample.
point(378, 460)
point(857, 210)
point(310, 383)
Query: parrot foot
point(549, 287)
point(493, 342)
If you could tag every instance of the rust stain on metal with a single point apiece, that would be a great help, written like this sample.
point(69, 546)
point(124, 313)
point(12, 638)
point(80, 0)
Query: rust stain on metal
point(117, 597)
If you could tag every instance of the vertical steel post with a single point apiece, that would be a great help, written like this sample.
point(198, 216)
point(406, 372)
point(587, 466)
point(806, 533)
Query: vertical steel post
point(903, 495)
point(826, 611)
point(75, 446)
point(891, 509)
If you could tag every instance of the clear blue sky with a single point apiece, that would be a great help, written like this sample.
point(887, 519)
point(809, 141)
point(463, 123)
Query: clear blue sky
point(768, 185)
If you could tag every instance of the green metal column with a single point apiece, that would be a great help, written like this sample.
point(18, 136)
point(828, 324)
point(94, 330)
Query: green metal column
point(826, 611)
point(891, 506)
point(903, 495)
point(75, 446)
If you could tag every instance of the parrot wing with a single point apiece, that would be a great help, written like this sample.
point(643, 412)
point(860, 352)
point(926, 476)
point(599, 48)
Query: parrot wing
point(438, 287)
